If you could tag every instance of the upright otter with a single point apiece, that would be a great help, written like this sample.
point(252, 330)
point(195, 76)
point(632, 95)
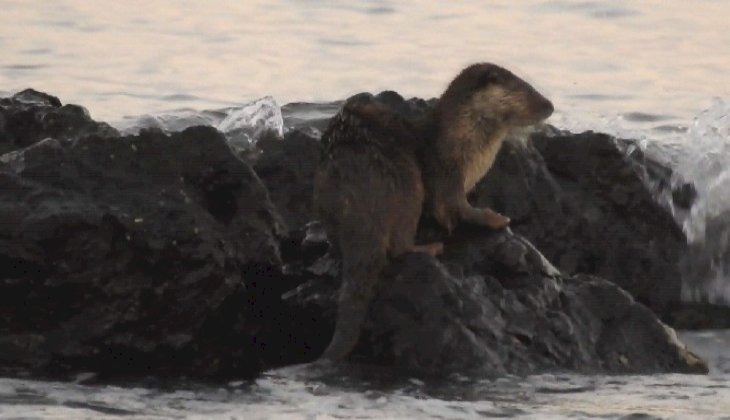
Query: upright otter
point(379, 170)
point(464, 133)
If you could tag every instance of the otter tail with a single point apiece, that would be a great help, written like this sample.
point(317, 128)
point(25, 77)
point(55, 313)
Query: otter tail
point(361, 273)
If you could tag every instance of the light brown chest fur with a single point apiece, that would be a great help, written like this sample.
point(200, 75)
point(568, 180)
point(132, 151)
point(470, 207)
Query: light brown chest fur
point(473, 149)
point(480, 161)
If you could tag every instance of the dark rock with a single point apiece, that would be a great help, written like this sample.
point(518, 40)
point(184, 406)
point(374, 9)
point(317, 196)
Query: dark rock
point(706, 263)
point(142, 255)
point(684, 195)
point(30, 116)
point(493, 305)
point(591, 207)
point(698, 316)
point(163, 255)
point(286, 166)
point(34, 97)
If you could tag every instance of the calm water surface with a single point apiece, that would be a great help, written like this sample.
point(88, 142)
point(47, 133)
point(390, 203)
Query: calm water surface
point(655, 63)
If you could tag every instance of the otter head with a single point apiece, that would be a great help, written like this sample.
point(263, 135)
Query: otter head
point(492, 97)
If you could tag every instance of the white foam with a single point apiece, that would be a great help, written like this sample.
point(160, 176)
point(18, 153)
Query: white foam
point(705, 161)
point(241, 125)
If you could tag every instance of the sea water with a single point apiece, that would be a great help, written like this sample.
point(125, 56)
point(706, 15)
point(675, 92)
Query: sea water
point(287, 394)
point(655, 71)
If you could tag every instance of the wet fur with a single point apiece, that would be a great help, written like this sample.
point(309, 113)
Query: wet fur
point(379, 171)
point(369, 195)
point(472, 118)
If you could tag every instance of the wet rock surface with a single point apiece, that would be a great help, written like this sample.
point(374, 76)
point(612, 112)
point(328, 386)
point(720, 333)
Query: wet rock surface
point(698, 316)
point(286, 166)
point(588, 202)
point(30, 116)
point(167, 255)
point(492, 304)
point(121, 256)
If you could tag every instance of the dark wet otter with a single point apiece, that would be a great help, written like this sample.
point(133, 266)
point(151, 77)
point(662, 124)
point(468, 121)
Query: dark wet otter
point(379, 170)
point(368, 194)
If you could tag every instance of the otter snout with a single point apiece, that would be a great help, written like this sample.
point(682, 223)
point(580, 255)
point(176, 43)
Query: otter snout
point(543, 108)
point(538, 106)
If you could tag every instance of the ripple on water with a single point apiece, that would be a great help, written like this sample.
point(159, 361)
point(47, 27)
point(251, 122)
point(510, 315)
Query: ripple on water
point(380, 10)
point(36, 51)
point(600, 10)
point(99, 408)
point(25, 66)
point(179, 97)
point(645, 117)
point(600, 97)
point(639, 416)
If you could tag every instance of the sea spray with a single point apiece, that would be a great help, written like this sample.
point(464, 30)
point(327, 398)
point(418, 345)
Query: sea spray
point(705, 162)
point(241, 125)
point(699, 158)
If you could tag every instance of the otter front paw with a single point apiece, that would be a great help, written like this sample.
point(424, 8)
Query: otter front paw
point(433, 249)
point(494, 220)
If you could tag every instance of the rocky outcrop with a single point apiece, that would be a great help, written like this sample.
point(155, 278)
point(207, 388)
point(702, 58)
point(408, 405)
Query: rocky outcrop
point(493, 305)
point(286, 166)
point(30, 116)
point(164, 255)
point(121, 255)
point(589, 203)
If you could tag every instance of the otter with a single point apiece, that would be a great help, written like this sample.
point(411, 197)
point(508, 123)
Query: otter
point(464, 133)
point(380, 172)
point(368, 194)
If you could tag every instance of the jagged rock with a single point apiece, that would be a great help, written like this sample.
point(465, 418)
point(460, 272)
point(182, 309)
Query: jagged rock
point(493, 305)
point(123, 256)
point(590, 207)
point(286, 166)
point(163, 255)
point(30, 116)
point(699, 316)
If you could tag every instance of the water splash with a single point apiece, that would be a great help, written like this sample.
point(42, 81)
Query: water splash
point(705, 162)
point(241, 125)
point(698, 155)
